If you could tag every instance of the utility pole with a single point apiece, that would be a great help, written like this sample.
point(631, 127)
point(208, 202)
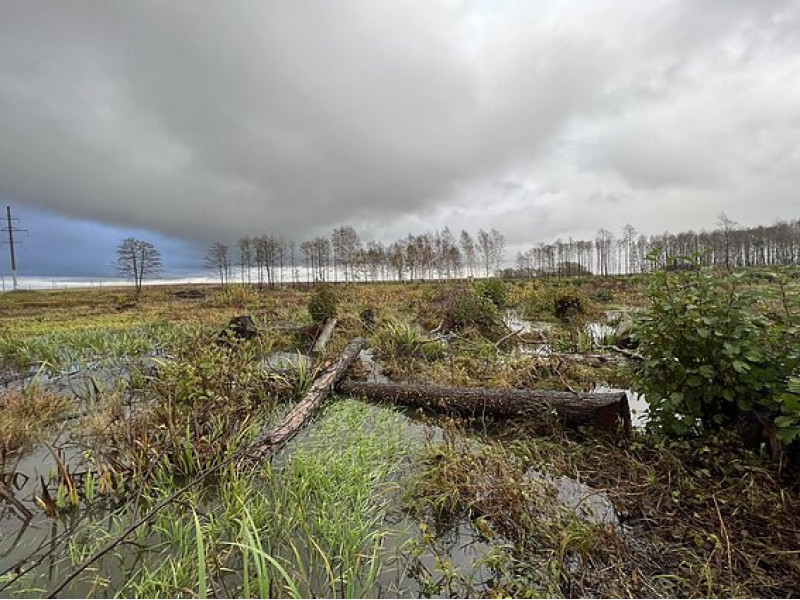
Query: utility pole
point(11, 229)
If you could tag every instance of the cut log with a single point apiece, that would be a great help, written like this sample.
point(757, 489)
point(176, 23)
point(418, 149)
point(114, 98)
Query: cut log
point(324, 336)
point(605, 412)
point(272, 438)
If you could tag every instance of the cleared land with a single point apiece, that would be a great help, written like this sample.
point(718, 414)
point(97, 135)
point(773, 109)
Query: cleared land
point(111, 404)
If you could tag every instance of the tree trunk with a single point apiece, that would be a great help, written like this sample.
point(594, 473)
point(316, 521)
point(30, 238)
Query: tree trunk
point(602, 411)
point(269, 439)
point(324, 336)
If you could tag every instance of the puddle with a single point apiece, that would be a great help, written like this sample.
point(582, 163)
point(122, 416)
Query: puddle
point(601, 333)
point(640, 410)
point(461, 548)
point(372, 366)
point(515, 322)
point(587, 503)
point(287, 360)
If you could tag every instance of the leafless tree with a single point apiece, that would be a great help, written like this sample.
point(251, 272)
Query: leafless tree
point(498, 248)
point(468, 251)
point(217, 260)
point(346, 244)
point(727, 226)
point(484, 245)
point(246, 258)
point(137, 259)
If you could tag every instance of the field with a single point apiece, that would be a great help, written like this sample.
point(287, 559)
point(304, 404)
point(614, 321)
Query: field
point(112, 403)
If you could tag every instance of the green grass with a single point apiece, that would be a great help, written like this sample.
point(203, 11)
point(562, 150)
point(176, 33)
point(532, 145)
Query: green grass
point(312, 524)
point(73, 348)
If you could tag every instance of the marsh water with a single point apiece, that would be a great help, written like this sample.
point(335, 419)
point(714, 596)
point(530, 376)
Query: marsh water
point(42, 543)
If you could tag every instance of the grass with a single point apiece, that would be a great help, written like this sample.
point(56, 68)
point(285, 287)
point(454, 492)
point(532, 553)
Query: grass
point(71, 349)
point(705, 519)
point(311, 524)
point(702, 518)
point(25, 415)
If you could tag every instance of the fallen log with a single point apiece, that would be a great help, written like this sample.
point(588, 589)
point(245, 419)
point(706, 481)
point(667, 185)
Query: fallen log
point(324, 336)
point(270, 439)
point(606, 411)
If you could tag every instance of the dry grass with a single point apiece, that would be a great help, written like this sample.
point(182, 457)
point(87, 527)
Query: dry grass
point(24, 416)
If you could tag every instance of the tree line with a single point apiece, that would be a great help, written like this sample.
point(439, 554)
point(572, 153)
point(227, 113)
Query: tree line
point(442, 255)
point(272, 260)
point(343, 256)
point(728, 246)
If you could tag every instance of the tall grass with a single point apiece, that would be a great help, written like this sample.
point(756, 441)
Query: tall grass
point(74, 348)
point(312, 524)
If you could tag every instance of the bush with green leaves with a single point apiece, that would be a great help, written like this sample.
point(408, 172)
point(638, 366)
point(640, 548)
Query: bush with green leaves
point(720, 354)
point(494, 290)
point(323, 304)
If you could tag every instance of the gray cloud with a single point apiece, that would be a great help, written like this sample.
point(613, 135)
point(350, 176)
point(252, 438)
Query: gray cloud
point(209, 120)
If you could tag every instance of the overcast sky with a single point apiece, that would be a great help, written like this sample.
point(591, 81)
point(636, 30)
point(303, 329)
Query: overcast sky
point(194, 121)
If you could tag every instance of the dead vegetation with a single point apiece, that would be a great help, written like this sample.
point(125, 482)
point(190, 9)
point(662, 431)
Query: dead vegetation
point(25, 416)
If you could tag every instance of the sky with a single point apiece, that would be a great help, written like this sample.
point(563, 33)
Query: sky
point(188, 122)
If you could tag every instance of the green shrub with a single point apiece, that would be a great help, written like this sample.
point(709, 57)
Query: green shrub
point(493, 290)
point(323, 304)
point(717, 355)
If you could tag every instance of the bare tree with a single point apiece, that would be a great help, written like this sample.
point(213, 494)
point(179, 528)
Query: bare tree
point(727, 226)
point(246, 258)
point(485, 247)
point(137, 259)
point(629, 235)
point(468, 250)
point(217, 260)
point(498, 248)
point(346, 246)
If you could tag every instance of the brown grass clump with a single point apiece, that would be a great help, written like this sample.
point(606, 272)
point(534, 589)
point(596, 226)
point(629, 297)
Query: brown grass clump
point(24, 415)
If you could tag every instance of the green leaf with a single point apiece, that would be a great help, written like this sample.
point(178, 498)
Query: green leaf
point(740, 367)
point(707, 371)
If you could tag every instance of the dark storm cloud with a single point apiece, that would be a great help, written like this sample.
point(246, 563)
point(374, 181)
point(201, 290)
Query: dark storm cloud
point(206, 120)
point(56, 246)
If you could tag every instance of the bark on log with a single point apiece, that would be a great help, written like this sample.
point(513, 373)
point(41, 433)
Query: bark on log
point(324, 336)
point(602, 411)
point(271, 438)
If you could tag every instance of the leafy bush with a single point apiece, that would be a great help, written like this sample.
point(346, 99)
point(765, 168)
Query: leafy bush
point(323, 304)
point(719, 355)
point(493, 290)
